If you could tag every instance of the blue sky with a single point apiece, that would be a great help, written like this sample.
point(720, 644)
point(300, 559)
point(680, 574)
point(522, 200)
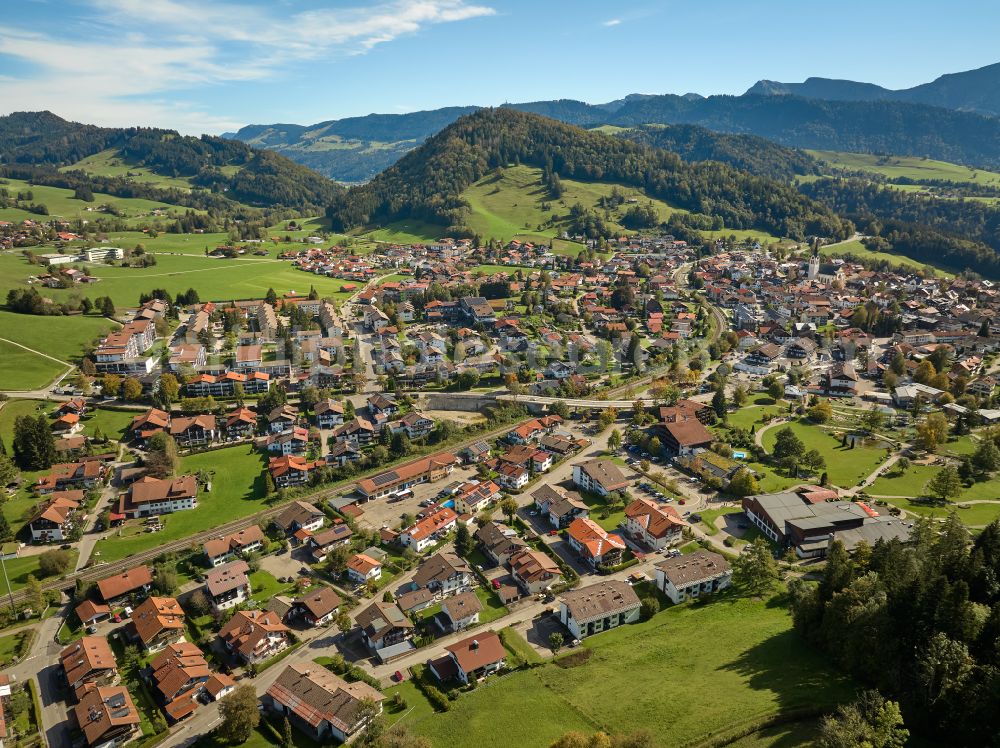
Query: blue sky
point(206, 66)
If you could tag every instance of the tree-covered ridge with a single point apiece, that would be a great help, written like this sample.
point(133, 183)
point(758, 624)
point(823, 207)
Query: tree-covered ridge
point(426, 184)
point(920, 622)
point(744, 152)
point(42, 142)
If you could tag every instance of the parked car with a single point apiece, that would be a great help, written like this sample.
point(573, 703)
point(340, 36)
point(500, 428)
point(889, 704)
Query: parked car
point(553, 533)
point(398, 677)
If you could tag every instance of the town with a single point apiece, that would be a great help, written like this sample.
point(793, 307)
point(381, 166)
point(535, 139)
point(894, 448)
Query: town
point(456, 470)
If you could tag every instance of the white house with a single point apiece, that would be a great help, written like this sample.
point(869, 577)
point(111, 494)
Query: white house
point(692, 575)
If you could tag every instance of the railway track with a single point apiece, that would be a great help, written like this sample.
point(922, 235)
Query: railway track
point(103, 570)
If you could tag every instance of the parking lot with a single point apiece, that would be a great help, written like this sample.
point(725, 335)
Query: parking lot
point(380, 513)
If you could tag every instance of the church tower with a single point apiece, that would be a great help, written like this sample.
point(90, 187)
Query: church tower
point(814, 264)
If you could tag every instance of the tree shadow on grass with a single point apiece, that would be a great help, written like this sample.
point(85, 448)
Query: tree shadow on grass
point(799, 677)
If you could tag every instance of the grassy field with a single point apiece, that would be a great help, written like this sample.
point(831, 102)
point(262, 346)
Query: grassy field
point(61, 203)
point(756, 408)
point(18, 570)
point(857, 249)
point(24, 370)
point(845, 467)
point(213, 279)
point(112, 423)
point(65, 338)
point(763, 668)
point(910, 167)
point(237, 490)
point(109, 163)
point(9, 412)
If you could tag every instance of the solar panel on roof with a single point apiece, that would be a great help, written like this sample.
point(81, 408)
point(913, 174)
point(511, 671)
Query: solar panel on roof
point(384, 478)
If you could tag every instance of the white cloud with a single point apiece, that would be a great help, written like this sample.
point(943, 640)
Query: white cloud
point(612, 22)
point(126, 77)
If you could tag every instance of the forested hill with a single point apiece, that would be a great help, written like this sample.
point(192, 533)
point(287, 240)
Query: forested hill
point(427, 183)
point(744, 152)
point(37, 144)
point(358, 148)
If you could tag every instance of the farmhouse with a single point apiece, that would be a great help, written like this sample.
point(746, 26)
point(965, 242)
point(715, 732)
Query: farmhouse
point(54, 519)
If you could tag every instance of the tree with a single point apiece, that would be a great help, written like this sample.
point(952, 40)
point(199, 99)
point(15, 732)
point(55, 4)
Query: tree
point(6, 534)
point(932, 431)
point(946, 485)
point(107, 306)
point(161, 455)
point(986, 459)
point(111, 385)
point(199, 603)
point(743, 483)
point(821, 412)
point(8, 470)
point(165, 578)
point(464, 544)
point(615, 440)
point(755, 570)
point(35, 596)
point(286, 734)
point(872, 420)
point(34, 446)
point(54, 563)
point(131, 389)
point(719, 404)
point(555, 641)
point(813, 461)
point(871, 721)
point(650, 606)
point(240, 716)
point(740, 396)
point(508, 505)
point(776, 390)
point(169, 389)
point(787, 446)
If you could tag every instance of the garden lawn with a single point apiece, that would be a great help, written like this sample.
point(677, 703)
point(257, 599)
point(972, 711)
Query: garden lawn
point(595, 503)
point(112, 423)
point(417, 706)
point(25, 370)
point(708, 517)
point(973, 515)
point(10, 645)
point(492, 607)
point(237, 491)
point(764, 668)
point(19, 569)
point(265, 586)
point(518, 646)
point(845, 467)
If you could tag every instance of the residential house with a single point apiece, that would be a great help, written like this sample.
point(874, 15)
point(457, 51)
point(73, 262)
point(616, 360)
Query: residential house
point(146, 424)
point(599, 476)
point(90, 613)
point(444, 574)
point(385, 629)
point(460, 611)
point(429, 529)
point(299, 515)
point(534, 571)
point(137, 581)
point(471, 659)
point(89, 660)
point(149, 496)
point(842, 379)
point(692, 575)
point(499, 542)
point(241, 423)
point(324, 541)
point(606, 605)
point(656, 527)
point(320, 704)
point(106, 715)
point(54, 519)
point(228, 585)
point(194, 431)
point(220, 550)
point(473, 496)
point(362, 567)
point(329, 414)
point(559, 508)
point(282, 418)
point(594, 544)
point(179, 675)
point(316, 608)
point(157, 622)
point(291, 470)
point(253, 636)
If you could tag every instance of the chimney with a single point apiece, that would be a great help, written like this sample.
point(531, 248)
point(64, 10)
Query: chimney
point(475, 644)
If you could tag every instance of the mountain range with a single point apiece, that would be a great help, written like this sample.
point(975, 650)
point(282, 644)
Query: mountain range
point(948, 119)
point(973, 90)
